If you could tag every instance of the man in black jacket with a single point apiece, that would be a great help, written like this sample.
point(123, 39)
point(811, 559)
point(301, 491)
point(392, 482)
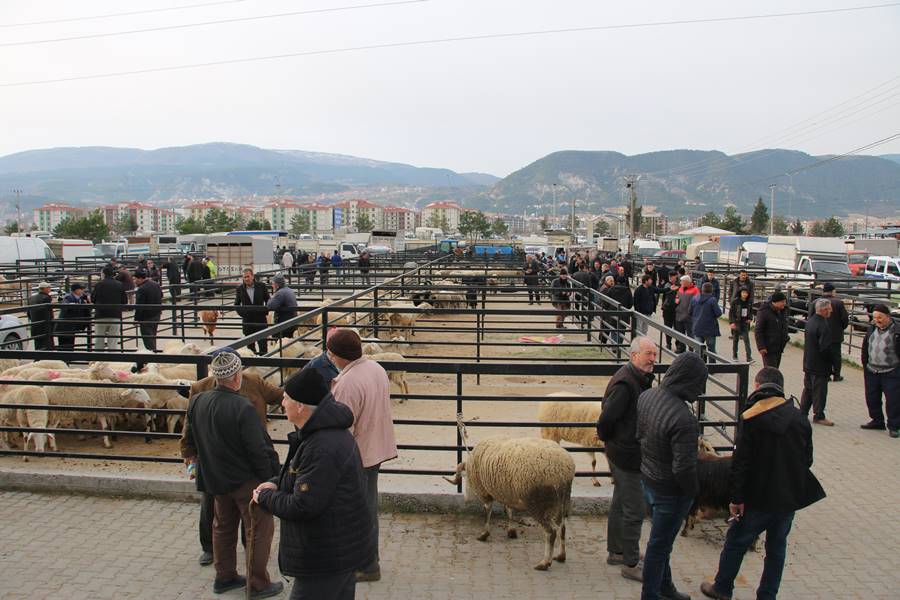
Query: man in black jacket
point(41, 317)
point(531, 272)
point(743, 281)
point(839, 320)
point(146, 317)
point(669, 291)
point(667, 431)
point(769, 480)
point(109, 297)
point(881, 371)
point(173, 278)
point(196, 271)
point(235, 455)
point(561, 296)
point(817, 362)
point(645, 300)
point(327, 533)
point(250, 294)
point(74, 315)
point(617, 427)
point(771, 331)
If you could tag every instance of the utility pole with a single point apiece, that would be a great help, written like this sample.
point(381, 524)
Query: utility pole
point(554, 205)
point(574, 238)
point(772, 211)
point(630, 183)
point(18, 210)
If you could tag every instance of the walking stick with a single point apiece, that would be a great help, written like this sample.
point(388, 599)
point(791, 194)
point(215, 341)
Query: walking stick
point(249, 550)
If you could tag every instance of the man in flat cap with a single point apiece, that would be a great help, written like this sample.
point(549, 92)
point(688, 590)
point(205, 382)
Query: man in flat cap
point(234, 456)
point(363, 386)
point(41, 315)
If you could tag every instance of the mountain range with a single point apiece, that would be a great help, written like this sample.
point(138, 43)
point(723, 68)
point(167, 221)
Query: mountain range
point(678, 182)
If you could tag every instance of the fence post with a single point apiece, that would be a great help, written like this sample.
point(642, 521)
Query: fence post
point(375, 313)
point(459, 411)
point(202, 369)
point(324, 329)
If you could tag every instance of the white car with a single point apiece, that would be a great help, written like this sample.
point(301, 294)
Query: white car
point(12, 332)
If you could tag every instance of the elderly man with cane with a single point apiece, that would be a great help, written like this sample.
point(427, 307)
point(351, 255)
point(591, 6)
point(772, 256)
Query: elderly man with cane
point(234, 455)
point(320, 495)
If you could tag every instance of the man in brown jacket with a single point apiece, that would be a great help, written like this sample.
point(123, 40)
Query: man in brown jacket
point(261, 394)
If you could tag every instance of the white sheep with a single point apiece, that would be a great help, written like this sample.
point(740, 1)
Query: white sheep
point(295, 350)
point(63, 396)
point(33, 418)
point(160, 398)
point(406, 321)
point(397, 377)
point(525, 474)
point(8, 363)
point(40, 364)
point(572, 412)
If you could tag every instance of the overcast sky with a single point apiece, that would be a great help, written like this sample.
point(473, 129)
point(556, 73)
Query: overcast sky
point(488, 105)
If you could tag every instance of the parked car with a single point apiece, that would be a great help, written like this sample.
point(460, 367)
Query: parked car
point(676, 254)
point(12, 332)
point(857, 259)
point(884, 268)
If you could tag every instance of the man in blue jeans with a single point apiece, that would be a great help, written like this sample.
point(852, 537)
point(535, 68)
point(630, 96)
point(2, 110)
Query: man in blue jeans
point(770, 480)
point(667, 431)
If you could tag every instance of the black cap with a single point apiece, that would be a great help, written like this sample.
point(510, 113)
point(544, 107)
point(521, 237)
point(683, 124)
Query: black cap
point(306, 387)
point(828, 287)
point(778, 297)
point(141, 273)
point(76, 286)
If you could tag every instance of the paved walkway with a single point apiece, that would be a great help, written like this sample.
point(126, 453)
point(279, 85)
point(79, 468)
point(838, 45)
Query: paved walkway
point(75, 547)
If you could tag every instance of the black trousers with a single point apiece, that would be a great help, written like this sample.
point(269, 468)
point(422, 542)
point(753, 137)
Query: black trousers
point(669, 321)
point(772, 359)
point(262, 346)
point(835, 351)
point(534, 294)
point(372, 501)
point(815, 392)
point(340, 586)
point(148, 336)
point(42, 334)
point(685, 328)
point(887, 385)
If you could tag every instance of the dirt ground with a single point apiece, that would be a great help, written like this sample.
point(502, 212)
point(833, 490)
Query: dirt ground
point(499, 386)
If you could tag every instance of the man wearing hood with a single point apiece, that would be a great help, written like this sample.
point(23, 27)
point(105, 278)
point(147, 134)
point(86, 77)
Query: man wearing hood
point(705, 313)
point(770, 480)
point(320, 495)
point(667, 431)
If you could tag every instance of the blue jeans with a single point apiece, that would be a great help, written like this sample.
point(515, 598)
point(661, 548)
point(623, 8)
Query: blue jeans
point(668, 514)
point(709, 340)
point(740, 536)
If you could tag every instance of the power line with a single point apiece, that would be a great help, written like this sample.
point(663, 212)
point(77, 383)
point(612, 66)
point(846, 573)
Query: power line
point(446, 40)
point(208, 23)
point(121, 14)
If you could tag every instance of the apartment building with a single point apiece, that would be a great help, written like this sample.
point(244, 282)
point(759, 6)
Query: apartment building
point(439, 211)
point(48, 216)
point(397, 218)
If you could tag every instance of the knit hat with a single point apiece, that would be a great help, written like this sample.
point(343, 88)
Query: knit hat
point(778, 297)
point(279, 279)
point(225, 364)
point(76, 286)
point(306, 387)
point(345, 344)
point(828, 287)
point(140, 274)
point(882, 308)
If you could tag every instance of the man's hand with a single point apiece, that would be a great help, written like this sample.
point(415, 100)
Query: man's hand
point(263, 486)
point(736, 510)
point(733, 326)
point(763, 352)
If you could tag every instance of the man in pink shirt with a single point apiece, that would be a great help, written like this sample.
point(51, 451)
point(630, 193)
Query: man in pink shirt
point(364, 387)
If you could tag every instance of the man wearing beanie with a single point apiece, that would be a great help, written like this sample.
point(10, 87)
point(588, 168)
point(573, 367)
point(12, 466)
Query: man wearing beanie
point(234, 456)
point(839, 320)
point(881, 370)
point(364, 387)
point(320, 495)
point(771, 331)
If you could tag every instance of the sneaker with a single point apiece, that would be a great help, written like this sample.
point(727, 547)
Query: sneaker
point(362, 576)
point(205, 559)
point(674, 594)
point(709, 590)
point(873, 424)
point(635, 573)
point(614, 558)
point(220, 587)
point(823, 421)
point(895, 433)
point(273, 589)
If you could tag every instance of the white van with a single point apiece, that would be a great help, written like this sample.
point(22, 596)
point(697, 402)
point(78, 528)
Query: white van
point(23, 248)
point(885, 268)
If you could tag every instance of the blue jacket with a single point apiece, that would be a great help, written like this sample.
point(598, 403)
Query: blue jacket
point(705, 313)
point(336, 260)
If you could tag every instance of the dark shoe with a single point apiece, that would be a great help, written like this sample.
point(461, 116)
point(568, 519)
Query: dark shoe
point(615, 559)
point(368, 576)
point(873, 424)
point(220, 587)
point(709, 590)
point(838, 378)
point(635, 573)
point(823, 421)
point(895, 433)
point(205, 559)
point(273, 589)
point(674, 594)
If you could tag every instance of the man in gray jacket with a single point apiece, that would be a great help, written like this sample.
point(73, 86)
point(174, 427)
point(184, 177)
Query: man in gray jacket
point(283, 304)
point(817, 362)
point(667, 431)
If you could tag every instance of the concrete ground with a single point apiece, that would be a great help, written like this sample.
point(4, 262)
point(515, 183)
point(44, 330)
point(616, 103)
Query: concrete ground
point(74, 547)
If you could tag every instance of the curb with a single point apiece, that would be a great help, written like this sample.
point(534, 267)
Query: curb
point(180, 490)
